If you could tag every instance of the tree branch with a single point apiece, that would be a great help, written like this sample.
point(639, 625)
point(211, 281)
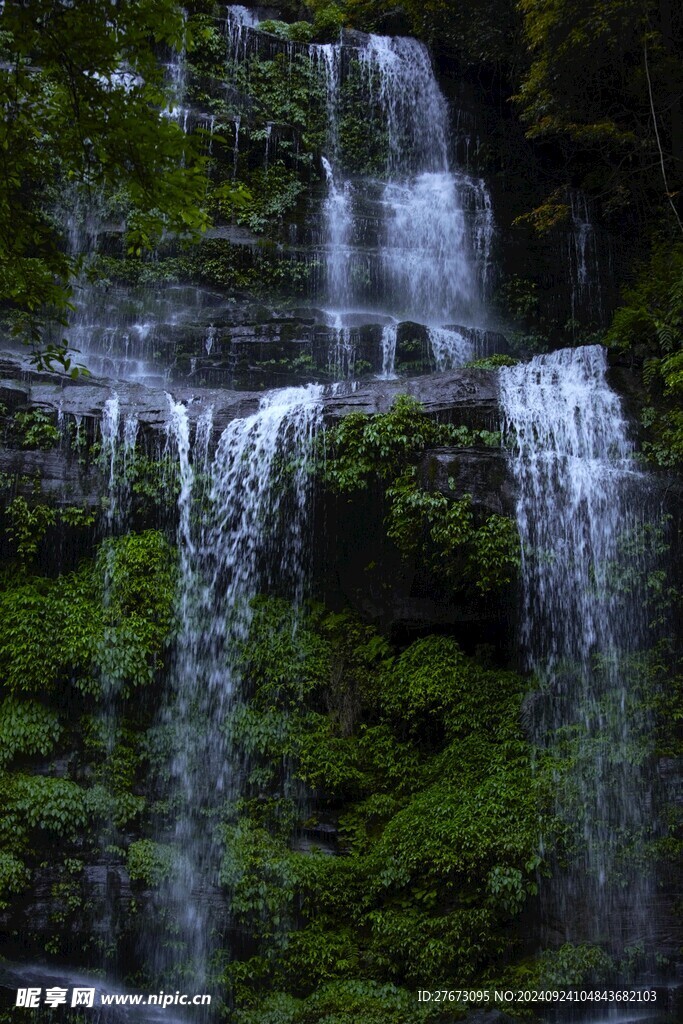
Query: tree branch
point(667, 190)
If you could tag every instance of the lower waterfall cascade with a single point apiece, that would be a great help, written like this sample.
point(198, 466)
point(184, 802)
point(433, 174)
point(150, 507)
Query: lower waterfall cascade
point(252, 522)
point(581, 511)
point(338, 602)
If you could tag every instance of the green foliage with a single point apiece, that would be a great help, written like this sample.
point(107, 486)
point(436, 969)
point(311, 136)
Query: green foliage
point(328, 18)
point(73, 515)
point(206, 51)
point(149, 862)
point(341, 1002)
point(422, 750)
point(58, 631)
point(554, 212)
point(363, 448)
point(37, 801)
point(13, 877)
point(26, 727)
point(89, 126)
point(283, 662)
point(433, 675)
point(575, 966)
point(297, 31)
point(27, 526)
point(138, 613)
point(140, 271)
point(281, 101)
point(37, 429)
point(478, 34)
point(495, 556)
point(650, 327)
point(596, 75)
point(449, 523)
point(284, 90)
point(256, 868)
point(493, 362)
point(63, 643)
point(274, 192)
point(445, 532)
point(262, 271)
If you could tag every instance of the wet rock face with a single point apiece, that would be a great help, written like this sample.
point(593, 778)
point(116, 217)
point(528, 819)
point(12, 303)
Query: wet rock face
point(402, 595)
point(358, 568)
point(69, 476)
point(480, 472)
point(461, 396)
point(468, 396)
point(61, 480)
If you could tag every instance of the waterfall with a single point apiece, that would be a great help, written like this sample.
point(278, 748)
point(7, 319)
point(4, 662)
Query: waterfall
point(339, 226)
point(483, 233)
point(242, 520)
point(389, 332)
point(425, 258)
point(436, 226)
point(398, 75)
point(118, 437)
point(176, 70)
point(586, 296)
point(328, 58)
point(342, 354)
point(109, 430)
point(239, 21)
point(450, 347)
point(116, 454)
point(583, 625)
point(413, 238)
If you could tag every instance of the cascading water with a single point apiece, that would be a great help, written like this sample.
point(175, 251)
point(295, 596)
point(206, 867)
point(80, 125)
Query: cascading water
point(109, 430)
point(426, 250)
point(450, 348)
point(425, 258)
point(583, 624)
point(389, 332)
point(243, 514)
point(339, 221)
point(118, 437)
point(399, 76)
point(241, 531)
point(117, 331)
point(482, 233)
point(583, 260)
point(117, 453)
point(342, 356)
point(177, 76)
point(429, 258)
point(328, 58)
point(239, 20)
point(406, 236)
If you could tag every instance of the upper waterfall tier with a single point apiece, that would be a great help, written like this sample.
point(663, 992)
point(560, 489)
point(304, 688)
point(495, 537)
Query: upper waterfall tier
point(403, 232)
point(394, 77)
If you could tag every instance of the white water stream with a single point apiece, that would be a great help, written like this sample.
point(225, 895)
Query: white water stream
point(584, 616)
point(243, 514)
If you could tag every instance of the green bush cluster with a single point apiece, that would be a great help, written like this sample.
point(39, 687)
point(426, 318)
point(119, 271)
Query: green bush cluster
point(649, 326)
point(419, 759)
point(71, 645)
point(442, 532)
point(276, 94)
